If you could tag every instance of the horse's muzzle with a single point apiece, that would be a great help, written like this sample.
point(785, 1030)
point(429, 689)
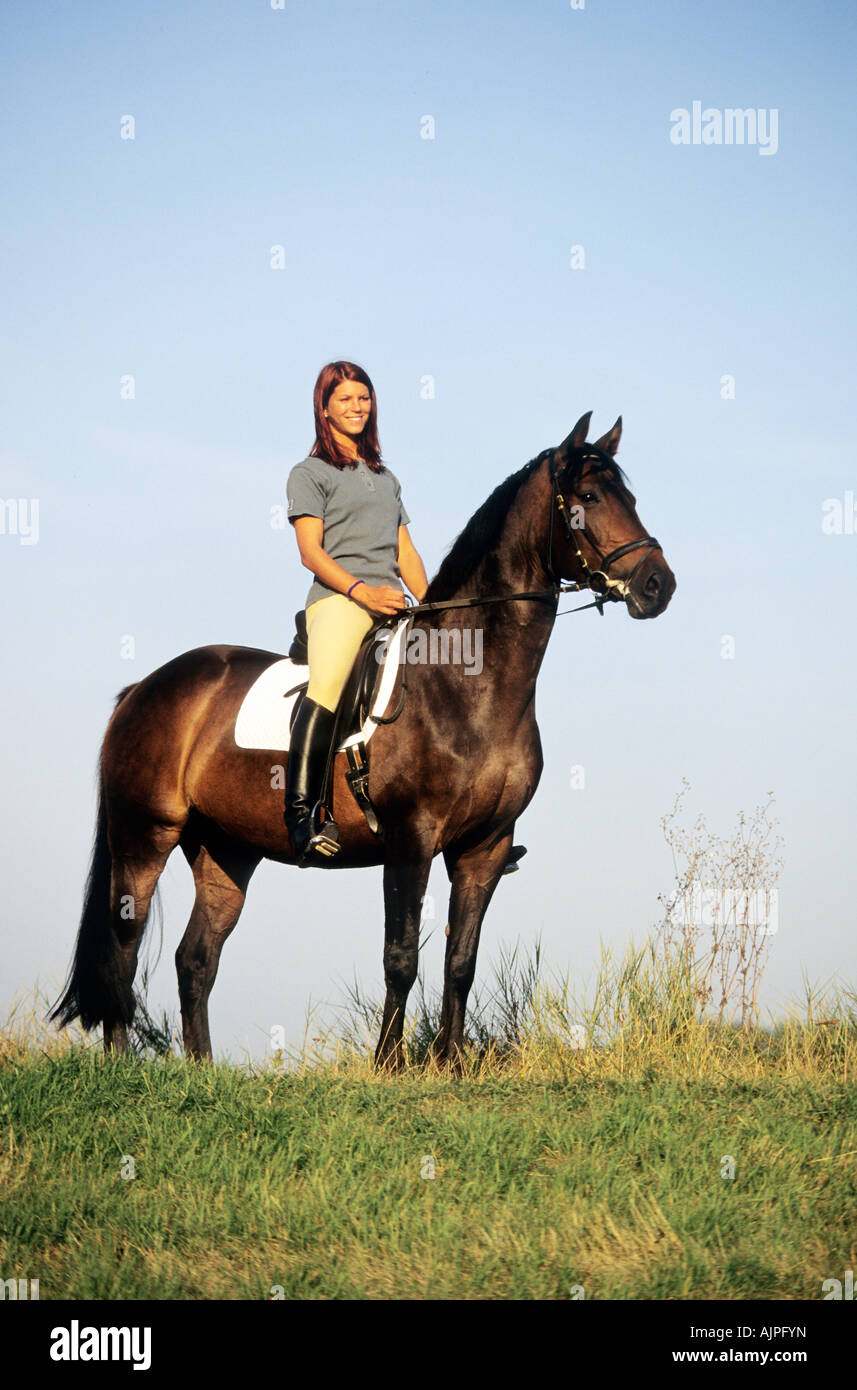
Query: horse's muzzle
point(651, 589)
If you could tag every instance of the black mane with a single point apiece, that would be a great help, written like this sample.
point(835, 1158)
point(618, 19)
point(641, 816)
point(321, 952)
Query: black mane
point(482, 531)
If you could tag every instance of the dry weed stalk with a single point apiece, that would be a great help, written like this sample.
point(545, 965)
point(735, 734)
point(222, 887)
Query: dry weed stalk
point(722, 913)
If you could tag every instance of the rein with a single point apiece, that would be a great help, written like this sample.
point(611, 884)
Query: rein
point(596, 581)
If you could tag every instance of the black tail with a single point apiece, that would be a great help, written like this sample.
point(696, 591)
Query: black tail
point(94, 992)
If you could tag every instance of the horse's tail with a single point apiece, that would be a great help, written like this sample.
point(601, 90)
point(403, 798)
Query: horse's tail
point(94, 991)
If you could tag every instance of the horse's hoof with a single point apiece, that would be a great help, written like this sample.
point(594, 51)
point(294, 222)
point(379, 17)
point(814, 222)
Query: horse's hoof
point(515, 853)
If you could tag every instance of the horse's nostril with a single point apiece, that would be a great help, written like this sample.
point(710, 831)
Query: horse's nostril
point(653, 584)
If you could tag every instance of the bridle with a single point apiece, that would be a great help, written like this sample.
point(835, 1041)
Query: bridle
point(599, 580)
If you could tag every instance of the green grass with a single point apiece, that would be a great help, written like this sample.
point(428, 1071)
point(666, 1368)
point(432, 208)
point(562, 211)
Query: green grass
point(555, 1166)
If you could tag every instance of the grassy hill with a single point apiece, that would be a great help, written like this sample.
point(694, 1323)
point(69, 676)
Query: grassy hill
point(573, 1159)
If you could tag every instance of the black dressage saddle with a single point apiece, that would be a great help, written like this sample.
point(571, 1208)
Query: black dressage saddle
point(355, 702)
point(361, 688)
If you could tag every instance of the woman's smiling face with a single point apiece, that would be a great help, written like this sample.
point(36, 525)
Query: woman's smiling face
point(348, 408)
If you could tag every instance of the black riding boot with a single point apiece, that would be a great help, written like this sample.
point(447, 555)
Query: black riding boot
point(308, 748)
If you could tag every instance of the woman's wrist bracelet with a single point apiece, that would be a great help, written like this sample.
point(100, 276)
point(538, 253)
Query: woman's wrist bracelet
point(354, 586)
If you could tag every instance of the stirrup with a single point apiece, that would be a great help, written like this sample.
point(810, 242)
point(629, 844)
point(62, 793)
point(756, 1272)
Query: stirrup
point(324, 840)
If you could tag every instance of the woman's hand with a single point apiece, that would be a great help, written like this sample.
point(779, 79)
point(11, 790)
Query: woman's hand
point(382, 598)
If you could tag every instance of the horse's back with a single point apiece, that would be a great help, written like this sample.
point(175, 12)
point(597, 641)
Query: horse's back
point(162, 718)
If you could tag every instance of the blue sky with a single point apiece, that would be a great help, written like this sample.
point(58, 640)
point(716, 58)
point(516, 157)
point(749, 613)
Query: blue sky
point(448, 257)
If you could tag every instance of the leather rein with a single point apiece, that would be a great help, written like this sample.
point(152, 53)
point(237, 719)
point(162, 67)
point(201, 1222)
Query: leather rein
point(597, 581)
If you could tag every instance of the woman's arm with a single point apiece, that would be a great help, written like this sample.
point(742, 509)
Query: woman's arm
point(380, 598)
point(411, 566)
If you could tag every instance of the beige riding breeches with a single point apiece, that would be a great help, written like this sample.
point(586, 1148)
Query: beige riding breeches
point(335, 628)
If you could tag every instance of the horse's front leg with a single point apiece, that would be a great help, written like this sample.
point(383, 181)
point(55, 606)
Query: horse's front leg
point(475, 874)
point(405, 879)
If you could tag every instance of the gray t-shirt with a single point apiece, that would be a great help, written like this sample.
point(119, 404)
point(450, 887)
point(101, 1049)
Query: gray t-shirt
point(362, 512)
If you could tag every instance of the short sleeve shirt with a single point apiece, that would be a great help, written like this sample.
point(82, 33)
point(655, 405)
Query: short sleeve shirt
point(362, 512)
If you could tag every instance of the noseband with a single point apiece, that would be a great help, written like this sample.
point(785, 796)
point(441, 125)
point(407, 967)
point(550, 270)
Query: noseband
point(598, 580)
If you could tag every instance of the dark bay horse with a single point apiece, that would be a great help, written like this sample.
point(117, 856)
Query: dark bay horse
point(450, 776)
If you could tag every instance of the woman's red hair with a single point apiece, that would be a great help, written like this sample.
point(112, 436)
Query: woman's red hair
point(325, 446)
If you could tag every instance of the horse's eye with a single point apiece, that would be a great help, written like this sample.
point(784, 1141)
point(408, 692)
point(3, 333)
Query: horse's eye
point(587, 497)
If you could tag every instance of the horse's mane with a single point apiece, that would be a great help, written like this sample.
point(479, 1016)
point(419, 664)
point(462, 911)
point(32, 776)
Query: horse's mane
point(482, 532)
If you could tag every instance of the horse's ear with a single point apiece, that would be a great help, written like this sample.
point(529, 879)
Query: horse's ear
point(576, 439)
point(609, 442)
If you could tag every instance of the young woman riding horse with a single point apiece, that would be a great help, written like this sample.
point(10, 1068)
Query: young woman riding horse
point(352, 532)
point(452, 775)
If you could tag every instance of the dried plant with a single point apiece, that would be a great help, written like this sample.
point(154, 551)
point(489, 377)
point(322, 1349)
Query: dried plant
point(722, 913)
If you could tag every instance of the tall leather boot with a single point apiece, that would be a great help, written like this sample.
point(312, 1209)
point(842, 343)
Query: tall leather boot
point(308, 749)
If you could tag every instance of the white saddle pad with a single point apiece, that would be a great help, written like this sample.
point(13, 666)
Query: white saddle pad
point(263, 719)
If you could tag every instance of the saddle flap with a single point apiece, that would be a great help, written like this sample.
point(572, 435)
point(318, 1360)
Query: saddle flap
point(358, 695)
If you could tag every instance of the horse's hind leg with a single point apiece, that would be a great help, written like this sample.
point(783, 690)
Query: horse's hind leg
point(221, 871)
point(136, 867)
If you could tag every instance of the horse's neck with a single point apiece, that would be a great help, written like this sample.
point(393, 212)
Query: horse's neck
point(511, 636)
